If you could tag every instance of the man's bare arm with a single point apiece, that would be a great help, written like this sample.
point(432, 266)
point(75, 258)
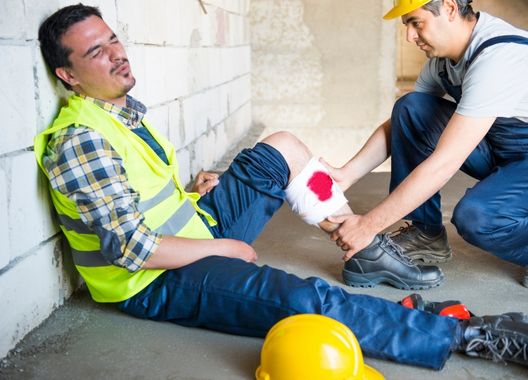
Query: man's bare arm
point(458, 140)
point(373, 153)
point(175, 252)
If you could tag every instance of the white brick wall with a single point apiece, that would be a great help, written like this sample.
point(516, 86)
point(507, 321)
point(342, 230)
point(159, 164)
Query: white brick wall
point(29, 216)
point(192, 71)
point(11, 27)
point(30, 289)
point(5, 252)
point(20, 125)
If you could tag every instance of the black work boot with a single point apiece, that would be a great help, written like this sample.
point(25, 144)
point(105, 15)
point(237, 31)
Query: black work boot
point(501, 338)
point(383, 261)
point(418, 246)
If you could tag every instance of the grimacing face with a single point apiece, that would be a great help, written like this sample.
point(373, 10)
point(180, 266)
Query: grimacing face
point(99, 64)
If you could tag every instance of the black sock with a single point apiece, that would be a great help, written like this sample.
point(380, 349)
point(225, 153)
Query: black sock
point(429, 230)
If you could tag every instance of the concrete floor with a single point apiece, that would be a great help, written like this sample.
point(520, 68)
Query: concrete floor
point(85, 340)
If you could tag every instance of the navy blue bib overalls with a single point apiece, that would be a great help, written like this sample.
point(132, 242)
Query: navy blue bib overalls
point(493, 215)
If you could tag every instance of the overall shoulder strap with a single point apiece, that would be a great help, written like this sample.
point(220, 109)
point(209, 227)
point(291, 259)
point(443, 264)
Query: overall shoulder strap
point(515, 39)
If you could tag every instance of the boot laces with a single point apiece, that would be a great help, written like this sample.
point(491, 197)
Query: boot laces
point(386, 241)
point(500, 347)
point(403, 230)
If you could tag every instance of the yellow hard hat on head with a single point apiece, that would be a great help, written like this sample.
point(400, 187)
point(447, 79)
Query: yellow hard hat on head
point(402, 7)
point(312, 347)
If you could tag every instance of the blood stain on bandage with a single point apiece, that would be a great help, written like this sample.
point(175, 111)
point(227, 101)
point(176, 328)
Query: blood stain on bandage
point(321, 184)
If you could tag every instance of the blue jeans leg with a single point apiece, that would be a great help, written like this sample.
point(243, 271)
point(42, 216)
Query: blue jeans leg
point(417, 122)
point(493, 215)
point(236, 297)
point(249, 193)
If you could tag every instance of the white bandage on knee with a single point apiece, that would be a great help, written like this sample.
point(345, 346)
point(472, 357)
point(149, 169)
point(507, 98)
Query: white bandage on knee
point(313, 194)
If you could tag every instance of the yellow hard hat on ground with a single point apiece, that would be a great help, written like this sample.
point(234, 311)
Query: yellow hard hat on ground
point(312, 347)
point(402, 7)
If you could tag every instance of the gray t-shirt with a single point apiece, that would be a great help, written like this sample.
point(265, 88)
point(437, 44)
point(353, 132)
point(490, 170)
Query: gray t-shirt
point(496, 83)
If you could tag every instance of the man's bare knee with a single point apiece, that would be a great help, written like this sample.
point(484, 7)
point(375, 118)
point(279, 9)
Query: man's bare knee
point(294, 151)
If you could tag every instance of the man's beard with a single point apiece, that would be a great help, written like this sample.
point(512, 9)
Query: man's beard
point(126, 88)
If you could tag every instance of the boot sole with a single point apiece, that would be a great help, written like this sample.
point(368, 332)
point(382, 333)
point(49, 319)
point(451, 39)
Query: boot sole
point(370, 280)
point(430, 257)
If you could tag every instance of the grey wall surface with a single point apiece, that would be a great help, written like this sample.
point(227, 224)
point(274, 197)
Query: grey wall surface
point(324, 70)
point(321, 64)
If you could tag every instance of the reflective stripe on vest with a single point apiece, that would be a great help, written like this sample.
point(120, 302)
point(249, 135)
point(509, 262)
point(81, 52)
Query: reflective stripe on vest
point(163, 194)
point(171, 226)
point(89, 258)
point(94, 258)
point(178, 220)
point(76, 225)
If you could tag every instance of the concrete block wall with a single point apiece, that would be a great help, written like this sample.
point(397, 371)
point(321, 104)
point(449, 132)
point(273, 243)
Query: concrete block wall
point(192, 71)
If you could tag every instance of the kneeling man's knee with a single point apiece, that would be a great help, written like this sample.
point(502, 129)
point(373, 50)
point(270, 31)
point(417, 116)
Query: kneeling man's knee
point(410, 101)
point(472, 222)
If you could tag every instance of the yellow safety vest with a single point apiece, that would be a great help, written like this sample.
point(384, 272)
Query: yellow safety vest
point(167, 208)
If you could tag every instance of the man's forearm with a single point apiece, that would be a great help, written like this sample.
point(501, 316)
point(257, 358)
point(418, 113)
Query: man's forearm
point(357, 231)
point(419, 186)
point(456, 143)
point(459, 139)
point(373, 153)
point(175, 252)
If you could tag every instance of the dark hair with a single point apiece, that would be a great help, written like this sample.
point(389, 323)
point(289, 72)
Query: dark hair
point(465, 10)
point(53, 28)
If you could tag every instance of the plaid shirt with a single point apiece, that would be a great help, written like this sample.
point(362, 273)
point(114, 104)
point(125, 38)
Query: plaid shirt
point(83, 166)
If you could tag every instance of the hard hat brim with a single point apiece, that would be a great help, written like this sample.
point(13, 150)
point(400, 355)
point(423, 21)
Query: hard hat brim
point(393, 13)
point(401, 10)
point(372, 374)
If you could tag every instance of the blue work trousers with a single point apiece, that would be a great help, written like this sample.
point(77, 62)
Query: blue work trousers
point(237, 297)
point(493, 214)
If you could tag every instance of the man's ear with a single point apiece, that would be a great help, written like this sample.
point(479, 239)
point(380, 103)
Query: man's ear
point(66, 75)
point(451, 9)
